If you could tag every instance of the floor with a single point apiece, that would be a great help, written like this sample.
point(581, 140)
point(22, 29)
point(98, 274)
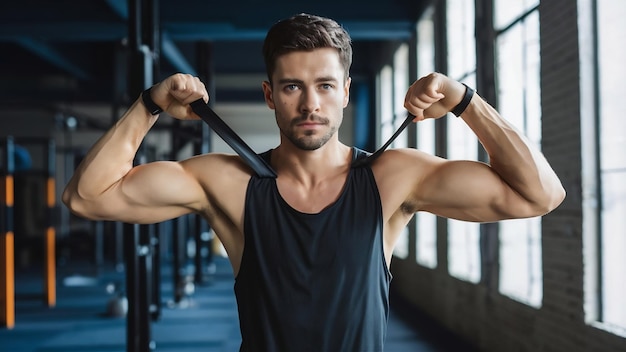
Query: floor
point(206, 322)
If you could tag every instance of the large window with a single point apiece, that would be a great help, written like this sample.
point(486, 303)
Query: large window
point(518, 65)
point(612, 75)
point(426, 223)
point(463, 237)
point(604, 162)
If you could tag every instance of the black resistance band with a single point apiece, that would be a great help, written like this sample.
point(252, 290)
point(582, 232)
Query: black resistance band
point(377, 153)
point(260, 167)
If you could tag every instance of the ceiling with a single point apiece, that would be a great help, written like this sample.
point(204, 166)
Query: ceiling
point(73, 50)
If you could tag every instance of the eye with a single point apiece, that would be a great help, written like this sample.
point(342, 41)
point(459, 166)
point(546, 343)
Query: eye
point(291, 87)
point(327, 86)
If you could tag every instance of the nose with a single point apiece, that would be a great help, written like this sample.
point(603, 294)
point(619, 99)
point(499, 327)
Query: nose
point(309, 101)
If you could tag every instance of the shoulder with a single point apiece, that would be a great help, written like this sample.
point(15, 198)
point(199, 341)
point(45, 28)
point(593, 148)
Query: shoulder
point(217, 168)
point(224, 179)
point(398, 174)
point(220, 175)
point(403, 160)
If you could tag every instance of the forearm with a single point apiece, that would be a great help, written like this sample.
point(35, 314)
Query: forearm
point(518, 162)
point(111, 157)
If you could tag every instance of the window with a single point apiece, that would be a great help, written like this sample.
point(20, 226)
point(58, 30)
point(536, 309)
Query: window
point(400, 85)
point(387, 127)
point(385, 84)
point(611, 30)
point(463, 237)
point(604, 163)
point(518, 63)
point(426, 223)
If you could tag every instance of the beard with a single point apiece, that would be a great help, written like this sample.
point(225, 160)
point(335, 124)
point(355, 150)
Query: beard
point(310, 140)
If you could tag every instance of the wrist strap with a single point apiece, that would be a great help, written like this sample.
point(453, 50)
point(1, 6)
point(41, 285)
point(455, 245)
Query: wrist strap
point(469, 93)
point(152, 107)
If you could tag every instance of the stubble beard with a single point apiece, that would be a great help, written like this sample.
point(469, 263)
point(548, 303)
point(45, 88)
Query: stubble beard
point(309, 141)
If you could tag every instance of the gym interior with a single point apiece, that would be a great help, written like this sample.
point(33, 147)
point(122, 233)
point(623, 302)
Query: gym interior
point(555, 69)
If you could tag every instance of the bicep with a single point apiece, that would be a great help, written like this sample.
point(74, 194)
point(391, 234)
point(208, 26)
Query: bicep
point(470, 191)
point(151, 193)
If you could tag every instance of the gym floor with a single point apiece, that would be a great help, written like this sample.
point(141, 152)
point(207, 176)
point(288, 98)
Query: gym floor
point(206, 322)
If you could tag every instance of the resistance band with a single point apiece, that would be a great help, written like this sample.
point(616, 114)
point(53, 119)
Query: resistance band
point(253, 160)
point(231, 138)
point(377, 153)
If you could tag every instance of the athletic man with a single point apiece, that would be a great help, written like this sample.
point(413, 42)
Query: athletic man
point(311, 249)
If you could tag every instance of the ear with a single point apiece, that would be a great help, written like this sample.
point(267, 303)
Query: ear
point(346, 92)
point(267, 94)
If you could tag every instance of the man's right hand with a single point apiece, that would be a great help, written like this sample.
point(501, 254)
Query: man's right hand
point(175, 93)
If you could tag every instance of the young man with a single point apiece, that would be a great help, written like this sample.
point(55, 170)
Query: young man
point(311, 249)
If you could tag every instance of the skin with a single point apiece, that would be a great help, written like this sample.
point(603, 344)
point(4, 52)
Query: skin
point(308, 94)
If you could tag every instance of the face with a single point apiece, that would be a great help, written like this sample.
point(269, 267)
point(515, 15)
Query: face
point(308, 95)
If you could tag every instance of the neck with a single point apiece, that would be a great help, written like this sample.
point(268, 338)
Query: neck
point(311, 166)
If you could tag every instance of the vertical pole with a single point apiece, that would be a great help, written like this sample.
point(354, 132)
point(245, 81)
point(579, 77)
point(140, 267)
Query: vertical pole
point(7, 244)
point(50, 238)
point(155, 246)
point(205, 63)
point(143, 40)
point(144, 288)
point(98, 247)
point(119, 246)
point(178, 248)
point(441, 148)
point(131, 243)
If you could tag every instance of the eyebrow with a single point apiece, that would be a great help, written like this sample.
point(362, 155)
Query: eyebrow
point(299, 81)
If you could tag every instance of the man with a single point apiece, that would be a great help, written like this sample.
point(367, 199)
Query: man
point(310, 249)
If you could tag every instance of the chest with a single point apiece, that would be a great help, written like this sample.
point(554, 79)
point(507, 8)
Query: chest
point(343, 238)
point(313, 199)
point(348, 226)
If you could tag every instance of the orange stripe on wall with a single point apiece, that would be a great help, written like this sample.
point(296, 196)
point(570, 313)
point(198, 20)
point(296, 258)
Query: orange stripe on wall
point(50, 193)
point(7, 281)
point(8, 190)
point(51, 294)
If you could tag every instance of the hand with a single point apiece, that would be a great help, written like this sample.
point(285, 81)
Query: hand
point(175, 93)
point(432, 96)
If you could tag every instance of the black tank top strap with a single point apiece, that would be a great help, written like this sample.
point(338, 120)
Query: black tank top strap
point(358, 154)
point(266, 156)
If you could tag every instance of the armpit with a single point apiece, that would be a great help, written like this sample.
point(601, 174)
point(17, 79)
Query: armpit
point(409, 208)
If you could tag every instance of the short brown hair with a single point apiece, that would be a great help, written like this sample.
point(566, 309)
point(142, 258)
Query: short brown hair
point(304, 32)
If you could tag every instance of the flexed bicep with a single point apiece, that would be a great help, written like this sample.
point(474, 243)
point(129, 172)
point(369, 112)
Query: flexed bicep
point(160, 190)
point(148, 193)
point(470, 191)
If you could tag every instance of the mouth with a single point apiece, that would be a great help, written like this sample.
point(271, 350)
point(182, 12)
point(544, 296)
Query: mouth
point(310, 121)
point(309, 124)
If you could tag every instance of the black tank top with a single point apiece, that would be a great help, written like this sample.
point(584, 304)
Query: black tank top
point(313, 282)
